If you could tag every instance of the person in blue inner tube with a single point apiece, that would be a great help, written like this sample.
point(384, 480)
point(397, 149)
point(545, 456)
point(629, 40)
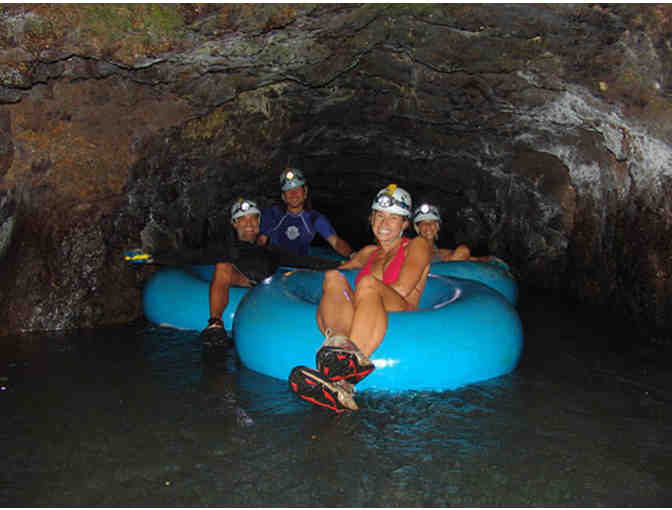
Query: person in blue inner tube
point(294, 226)
point(393, 273)
point(239, 262)
point(427, 223)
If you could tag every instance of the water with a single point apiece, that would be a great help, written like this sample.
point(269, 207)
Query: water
point(133, 416)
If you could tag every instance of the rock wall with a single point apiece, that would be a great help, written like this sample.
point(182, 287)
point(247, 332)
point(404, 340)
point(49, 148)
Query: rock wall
point(542, 130)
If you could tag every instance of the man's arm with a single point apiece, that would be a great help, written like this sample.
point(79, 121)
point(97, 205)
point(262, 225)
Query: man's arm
point(328, 233)
point(339, 245)
point(267, 222)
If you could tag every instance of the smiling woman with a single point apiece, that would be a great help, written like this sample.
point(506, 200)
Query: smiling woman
point(392, 276)
point(427, 223)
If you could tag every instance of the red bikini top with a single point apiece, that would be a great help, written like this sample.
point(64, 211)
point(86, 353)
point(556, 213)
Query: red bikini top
point(392, 271)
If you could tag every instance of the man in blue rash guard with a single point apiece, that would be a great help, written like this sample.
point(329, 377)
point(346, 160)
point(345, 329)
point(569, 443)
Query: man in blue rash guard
point(293, 227)
point(240, 262)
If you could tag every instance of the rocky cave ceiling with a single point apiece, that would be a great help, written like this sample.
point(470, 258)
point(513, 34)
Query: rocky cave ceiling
point(542, 131)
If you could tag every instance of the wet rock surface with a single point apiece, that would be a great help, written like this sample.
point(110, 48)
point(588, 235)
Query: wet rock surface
point(542, 131)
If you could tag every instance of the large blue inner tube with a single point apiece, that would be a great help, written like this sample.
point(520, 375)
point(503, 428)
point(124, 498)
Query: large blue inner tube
point(494, 273)
point(179, 298)
point(463, 332)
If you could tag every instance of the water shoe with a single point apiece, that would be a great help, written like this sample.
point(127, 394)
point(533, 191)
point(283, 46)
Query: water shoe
point(339, 359)
point(215, 336)
point(313, 387)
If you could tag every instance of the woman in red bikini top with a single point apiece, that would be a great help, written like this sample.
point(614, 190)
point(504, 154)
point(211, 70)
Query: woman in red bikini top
point(392, 276)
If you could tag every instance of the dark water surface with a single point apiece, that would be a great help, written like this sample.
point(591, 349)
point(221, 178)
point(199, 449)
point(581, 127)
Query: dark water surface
point(134, 416)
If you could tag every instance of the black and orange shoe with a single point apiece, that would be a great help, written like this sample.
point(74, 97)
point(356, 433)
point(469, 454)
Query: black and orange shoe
point(339, 359)
point(313, 387)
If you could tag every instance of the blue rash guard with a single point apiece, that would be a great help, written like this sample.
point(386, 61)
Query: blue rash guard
point(294, 232)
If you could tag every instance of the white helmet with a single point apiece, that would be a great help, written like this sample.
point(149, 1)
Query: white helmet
point(426, 212)
point(394, 200)
point(243, 207)
point(291, 178)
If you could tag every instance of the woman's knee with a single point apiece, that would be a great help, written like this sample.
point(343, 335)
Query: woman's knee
point(334, 278)
point(368, 284)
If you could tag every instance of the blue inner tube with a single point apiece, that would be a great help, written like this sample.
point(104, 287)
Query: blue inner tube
point(463, 332)
point(475, 300)
point(180, 298)
point(494, 273)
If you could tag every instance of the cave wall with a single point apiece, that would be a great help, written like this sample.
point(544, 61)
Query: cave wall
point(542, 130)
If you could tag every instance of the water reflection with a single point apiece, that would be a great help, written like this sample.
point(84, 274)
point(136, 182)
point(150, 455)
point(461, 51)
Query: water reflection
point(135, 416)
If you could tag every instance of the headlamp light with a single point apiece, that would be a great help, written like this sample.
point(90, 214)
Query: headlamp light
point(291, 178)
point(426, 212)
point(243, 207)
point(384, 200)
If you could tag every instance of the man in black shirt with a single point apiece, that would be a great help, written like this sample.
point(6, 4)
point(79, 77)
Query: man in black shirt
point(240, 262)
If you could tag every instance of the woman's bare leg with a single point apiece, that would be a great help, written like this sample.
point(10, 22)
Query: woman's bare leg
point(336, 310)
point(373, 299)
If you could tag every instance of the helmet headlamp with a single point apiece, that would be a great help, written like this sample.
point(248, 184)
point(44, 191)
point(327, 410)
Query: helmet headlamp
point(291, 178)
point(385, 201)
point(243, 207)
point(394, 199)
point(426, 212)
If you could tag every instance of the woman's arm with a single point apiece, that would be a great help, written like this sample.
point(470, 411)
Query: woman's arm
point(462, 252)
point(418, 257)
point(359, 258)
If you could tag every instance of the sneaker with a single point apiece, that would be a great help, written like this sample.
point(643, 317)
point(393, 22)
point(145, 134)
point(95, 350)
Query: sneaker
point(311, 385)
point(339, 359)
point(215, 336)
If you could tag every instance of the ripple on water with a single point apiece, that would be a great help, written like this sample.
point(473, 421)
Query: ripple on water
point(135, 417)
